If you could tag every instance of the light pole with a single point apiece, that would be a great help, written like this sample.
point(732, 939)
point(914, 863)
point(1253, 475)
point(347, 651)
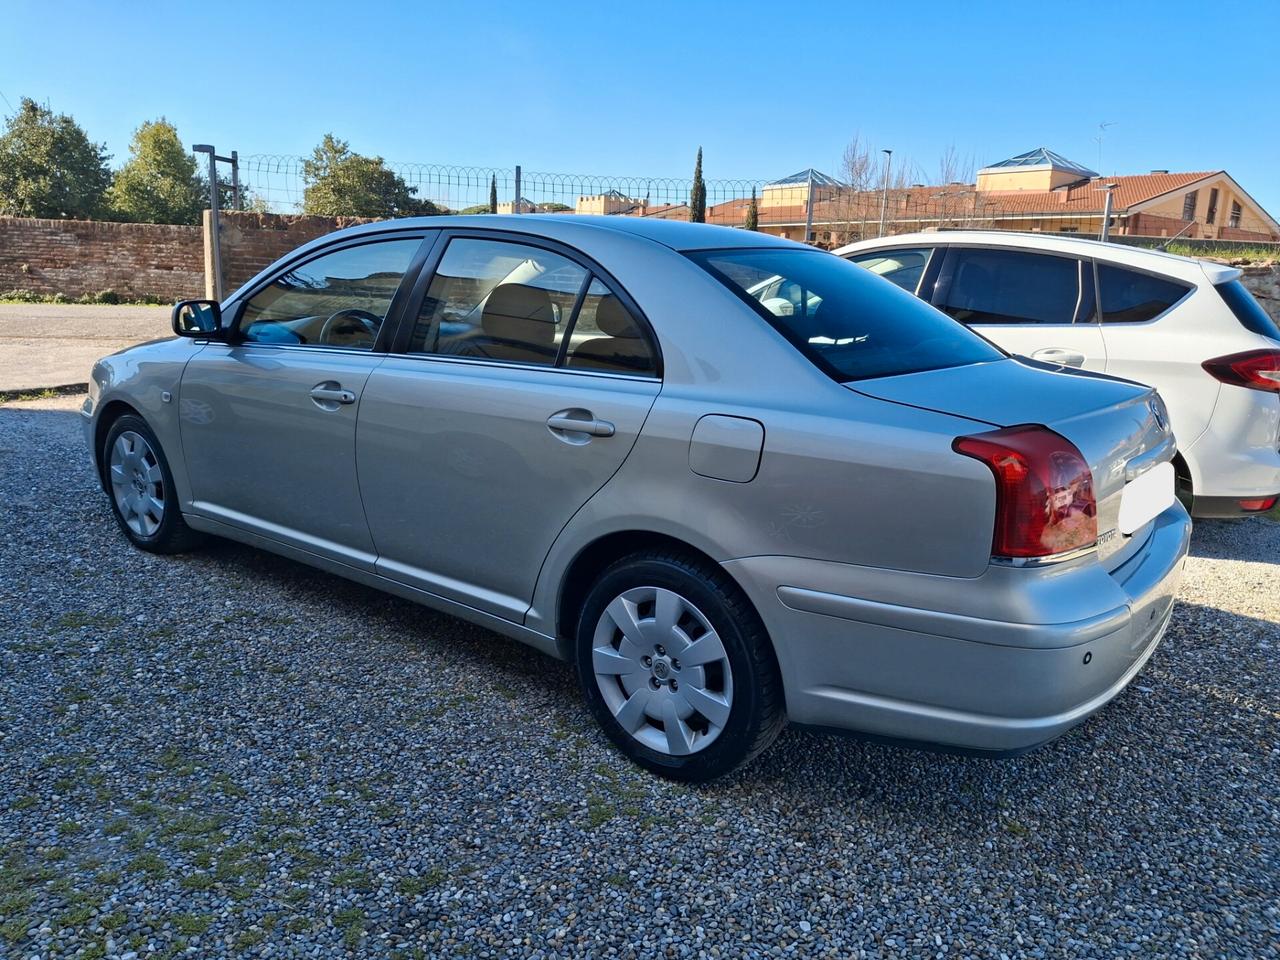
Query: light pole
point(884, 194)
point(1106, 212)
point(213, 262)
point(808, 209)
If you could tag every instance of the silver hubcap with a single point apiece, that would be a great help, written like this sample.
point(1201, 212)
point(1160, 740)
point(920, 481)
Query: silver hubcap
point(137, 483)
point(662, 670)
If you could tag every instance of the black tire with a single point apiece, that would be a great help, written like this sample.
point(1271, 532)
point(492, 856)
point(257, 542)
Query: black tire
point(172, 535)
point(757, 711)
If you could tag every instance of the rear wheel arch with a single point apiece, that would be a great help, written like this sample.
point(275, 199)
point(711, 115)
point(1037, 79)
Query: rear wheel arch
point(597, 556)
point(1184, 483)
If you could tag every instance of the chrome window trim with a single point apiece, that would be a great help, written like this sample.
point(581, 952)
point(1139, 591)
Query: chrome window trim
point(307, 347)
point(516, 365)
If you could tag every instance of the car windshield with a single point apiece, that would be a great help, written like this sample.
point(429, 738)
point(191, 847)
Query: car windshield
point(850, 323)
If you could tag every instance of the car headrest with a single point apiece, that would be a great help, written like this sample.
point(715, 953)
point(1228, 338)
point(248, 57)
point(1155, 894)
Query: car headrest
point(612, 318)
point(518, 312)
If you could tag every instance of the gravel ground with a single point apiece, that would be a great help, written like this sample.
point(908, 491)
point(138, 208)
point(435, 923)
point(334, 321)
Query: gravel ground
point(230, 754)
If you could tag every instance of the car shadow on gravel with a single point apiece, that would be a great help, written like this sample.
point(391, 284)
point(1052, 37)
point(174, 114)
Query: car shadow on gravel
point(809, 770)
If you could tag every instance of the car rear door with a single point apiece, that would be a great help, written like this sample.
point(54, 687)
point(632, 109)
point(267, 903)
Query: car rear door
point(268, 420)
point(1031, 303)
point(517, 387)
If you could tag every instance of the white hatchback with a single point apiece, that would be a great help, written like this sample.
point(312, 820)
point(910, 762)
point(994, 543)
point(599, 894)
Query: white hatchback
point(1187, 327)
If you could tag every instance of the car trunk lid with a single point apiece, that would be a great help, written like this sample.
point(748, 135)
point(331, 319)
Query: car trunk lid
point(1120, 427)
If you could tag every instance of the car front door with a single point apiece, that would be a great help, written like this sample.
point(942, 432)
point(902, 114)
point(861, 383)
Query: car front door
point(1034, 304)
point(515, 392)
point(268, 418)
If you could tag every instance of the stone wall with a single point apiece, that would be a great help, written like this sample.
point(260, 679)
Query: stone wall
point(1263, 281)
point(78, 257)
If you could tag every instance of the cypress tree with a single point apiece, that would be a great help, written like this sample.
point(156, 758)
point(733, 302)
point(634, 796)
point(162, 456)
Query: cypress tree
point(493, 193)
point(698, 194)
point(753, 214)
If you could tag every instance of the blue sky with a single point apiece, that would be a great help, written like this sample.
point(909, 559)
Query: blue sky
point(633, 89)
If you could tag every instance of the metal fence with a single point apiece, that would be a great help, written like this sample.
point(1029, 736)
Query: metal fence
point(823, 211)
point(278, 183)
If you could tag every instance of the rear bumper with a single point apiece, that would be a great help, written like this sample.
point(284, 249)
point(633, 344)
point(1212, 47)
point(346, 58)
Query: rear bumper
point(1238, 456)
point(997, 663)
point(1228, 508)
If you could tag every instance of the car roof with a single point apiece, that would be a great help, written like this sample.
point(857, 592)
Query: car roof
point(676, 234)
point(1155, 261)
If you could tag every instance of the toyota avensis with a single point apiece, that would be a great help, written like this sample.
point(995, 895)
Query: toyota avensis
point(591, 435)
point(1187, 327)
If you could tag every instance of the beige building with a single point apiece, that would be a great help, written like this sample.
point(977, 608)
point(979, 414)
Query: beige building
point(1038, 191)
point(795, 189)
point(526, 206)
point(610, 204)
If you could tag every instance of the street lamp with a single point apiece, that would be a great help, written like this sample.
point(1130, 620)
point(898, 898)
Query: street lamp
point(1106, 212)
point(213, 265)
point(884, 194)
point(213, 261)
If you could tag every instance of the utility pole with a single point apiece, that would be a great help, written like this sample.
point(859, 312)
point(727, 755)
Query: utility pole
point(1106, 213)
point(235, 181)
point(213, 257)
point(884, 194)
point(808, 210)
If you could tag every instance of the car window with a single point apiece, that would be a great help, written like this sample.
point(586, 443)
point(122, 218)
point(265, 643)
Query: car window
point(903, 267)
point(981, 286)
point(339, 299)
point(606, 337)
point(1128, 296)
point(495, 300)
point(861, 328)
point(1247, 310)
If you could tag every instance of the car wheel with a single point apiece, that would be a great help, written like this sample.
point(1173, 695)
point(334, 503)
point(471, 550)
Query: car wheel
point(676, 666)
point(140, 485)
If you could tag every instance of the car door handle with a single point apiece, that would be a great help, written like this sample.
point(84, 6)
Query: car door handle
point(327, 394)
point(1068, 358)
point(565, 422)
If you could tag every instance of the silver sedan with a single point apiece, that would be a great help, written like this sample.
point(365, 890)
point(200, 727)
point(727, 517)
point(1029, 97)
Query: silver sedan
point(735, 480)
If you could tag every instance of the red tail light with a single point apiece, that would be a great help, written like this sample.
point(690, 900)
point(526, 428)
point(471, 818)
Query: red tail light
point(1044, 491)
point(1255, 369)
point(1258, 504)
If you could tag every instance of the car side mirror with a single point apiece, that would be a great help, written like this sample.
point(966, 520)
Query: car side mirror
point(201, 319)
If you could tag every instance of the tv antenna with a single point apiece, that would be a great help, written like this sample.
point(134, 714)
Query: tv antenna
point(1102, 132)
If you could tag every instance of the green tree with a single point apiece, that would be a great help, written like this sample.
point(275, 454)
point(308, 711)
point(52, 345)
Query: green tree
point(158, 183)
point(698, 194)
point(340, 183)
point(753, 213)
point(49, 167)
point(493, 193)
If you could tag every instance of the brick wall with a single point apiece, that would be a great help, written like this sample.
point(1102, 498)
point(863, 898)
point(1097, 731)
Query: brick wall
point(251, 241)
point(77, 257)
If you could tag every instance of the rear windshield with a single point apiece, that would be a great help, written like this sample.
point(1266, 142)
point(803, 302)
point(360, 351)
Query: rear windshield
point(1247, 310)
point(850, 323)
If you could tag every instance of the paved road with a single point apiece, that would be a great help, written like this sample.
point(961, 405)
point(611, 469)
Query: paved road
point(46, 345)
point(228, 754)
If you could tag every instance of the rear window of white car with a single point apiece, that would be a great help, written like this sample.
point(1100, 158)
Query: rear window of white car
point(850, 323)
point(1247, 310)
